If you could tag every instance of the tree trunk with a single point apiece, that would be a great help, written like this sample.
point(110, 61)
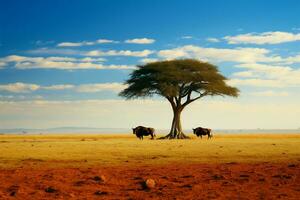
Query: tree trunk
point(176, 129)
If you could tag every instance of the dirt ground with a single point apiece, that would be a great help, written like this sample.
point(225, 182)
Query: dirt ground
point(264, 180)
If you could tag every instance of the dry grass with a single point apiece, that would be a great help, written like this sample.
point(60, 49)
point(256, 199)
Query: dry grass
point(112, 149)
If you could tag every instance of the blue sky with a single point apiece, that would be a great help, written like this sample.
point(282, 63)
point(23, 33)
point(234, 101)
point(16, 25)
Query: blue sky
point(62, 63)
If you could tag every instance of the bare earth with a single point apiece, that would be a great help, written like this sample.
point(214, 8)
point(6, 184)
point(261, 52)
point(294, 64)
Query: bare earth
point(38, 175)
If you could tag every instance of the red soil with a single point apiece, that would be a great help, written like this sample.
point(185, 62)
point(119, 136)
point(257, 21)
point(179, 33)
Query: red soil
point(172, 181)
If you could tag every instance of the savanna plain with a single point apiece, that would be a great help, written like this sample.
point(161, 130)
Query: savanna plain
point(111, 166)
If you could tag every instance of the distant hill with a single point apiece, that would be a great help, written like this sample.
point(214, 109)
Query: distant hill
point(70, 130)
point(65, 130)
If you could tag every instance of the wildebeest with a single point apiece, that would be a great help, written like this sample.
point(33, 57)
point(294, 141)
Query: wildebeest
point(202, 131)
point(141, 131)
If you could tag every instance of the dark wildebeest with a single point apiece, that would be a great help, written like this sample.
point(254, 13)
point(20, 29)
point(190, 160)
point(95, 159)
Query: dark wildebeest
point(141, 131)
point(202, 131)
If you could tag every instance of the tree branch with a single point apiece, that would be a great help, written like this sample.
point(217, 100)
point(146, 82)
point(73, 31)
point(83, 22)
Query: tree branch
point(186, 92)
point(176, 100)
point(181, 88)
point(189, 100)
point(189, 95)
point(171, 100)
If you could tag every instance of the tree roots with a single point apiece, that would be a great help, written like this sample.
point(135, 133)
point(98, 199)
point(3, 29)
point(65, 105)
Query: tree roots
point(175, 136)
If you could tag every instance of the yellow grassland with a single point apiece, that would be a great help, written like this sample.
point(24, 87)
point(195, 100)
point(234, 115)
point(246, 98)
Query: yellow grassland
point(113, 149)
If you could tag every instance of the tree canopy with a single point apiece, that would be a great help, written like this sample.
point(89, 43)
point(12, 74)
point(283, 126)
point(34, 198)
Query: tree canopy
point(177, 78)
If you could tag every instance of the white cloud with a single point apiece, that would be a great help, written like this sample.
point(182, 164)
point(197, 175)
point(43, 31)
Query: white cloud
point(7, 96)
point(98, 87)
point(173, 53)
point(58, 87)
point(271, 71)
point(241, 55)
point(71, 44)
point(19, 87)
point(276, 37)
point(260, 75)
point(64, 63)
point(57, 65)
point(143, 53)
point(13, 58)
point(140, 41)
point(92, 53)
point(104, 41)
point(270, 93)
point(187, 37)
point(2, 64)
point(85, 43)
point(67, 59)
point(89, 59)
point(244, 74)
point(58, 51)
point(20, 97)
point(244, 55)
point(55, 59)
point(148, 60)
point(292, 59)
point(89, 88)
point(256, 82)
point(266, 76)
point(213, 40)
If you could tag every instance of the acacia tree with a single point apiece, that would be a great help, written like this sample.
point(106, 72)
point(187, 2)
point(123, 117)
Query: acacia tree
point(181, 82)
